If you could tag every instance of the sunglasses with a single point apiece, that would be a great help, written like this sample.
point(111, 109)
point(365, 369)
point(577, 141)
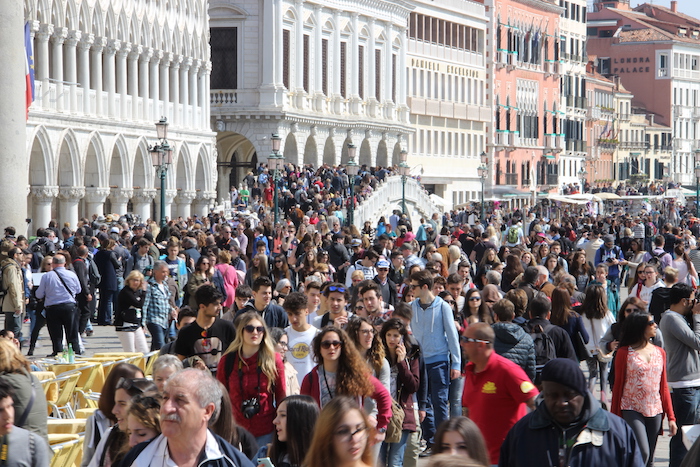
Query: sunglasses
point(251, 329)
point(335, 288)
point(451, 302)
point(328, 344)
point(130, 383)
point(468, 340)
point(347, 434)
point(651, 322)
point(474, 299)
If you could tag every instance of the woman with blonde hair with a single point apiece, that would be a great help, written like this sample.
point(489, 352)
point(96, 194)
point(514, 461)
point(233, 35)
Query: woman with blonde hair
point(128, 321)
point(342, 436)
point(29, 400)
point(253, 374)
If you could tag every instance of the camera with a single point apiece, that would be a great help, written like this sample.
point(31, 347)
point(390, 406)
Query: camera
point(609, 260)
point(250, 407)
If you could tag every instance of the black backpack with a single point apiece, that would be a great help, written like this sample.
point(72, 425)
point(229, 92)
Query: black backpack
point(655, 259)
point(545, 351)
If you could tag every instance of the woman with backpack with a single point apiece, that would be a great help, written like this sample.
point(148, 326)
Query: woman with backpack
point(597, 319)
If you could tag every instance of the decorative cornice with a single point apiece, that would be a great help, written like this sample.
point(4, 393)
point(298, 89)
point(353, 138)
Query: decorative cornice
point(44, 193)
point(71, 192)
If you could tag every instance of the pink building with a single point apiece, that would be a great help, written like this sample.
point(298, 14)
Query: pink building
point(527, 133)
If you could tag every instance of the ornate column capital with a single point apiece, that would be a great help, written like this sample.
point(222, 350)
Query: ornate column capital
point(135, 52)
point(34, 26)
point(73, 193)
point(170, 196)
point(157, 56)
point(44, 193)
point(175, 60)
point(45, 32)
point(99, 44)
point(113, 46)
point(167, 58)
point(59, 35)
point(186, 63)
point(203, 195)
point(121, 195)
point(124, 50)
point(96, 194)
point(146, 54)
point(186, 196)
point(144, 195)
point(73, 38)
point(86, 41)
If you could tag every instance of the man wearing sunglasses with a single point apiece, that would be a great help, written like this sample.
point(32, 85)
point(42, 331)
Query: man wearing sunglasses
point(497, 391)
point(336, 296)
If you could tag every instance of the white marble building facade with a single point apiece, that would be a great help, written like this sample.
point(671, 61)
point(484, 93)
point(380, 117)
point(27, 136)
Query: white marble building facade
point(105, 72)
point(319, 74)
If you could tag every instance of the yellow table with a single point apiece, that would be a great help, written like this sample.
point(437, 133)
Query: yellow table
point(82, 365)
point(66, 426)
point(52, 390)
point(57, 438)
point(118, 355)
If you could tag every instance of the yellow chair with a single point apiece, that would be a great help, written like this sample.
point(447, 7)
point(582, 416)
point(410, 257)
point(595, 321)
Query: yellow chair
point(85, 392)
point(85, 413)
point(65, 454)
point(63, 404)
point(150, 358)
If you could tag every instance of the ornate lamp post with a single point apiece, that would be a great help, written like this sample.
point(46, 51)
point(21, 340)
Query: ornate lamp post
point(275, 162)
point(162, 157)
point(404, 171)
point(582, 177)
point(352, 168)
point(483, 173)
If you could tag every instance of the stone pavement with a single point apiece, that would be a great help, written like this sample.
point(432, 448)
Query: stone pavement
point(105, 340)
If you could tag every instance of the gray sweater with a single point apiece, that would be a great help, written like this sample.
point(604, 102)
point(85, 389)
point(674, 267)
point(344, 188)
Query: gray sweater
point(24, 452)
point(682, 344)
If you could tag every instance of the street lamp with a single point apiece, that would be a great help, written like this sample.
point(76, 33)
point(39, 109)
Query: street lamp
point(275, 162)
point(352, 168)
point(162, 157)
point(483, 173)
point(697, 179)
point(582, 176)
point(404, 171)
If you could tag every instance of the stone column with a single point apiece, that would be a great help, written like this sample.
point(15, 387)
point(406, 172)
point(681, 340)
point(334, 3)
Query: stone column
point(97, 48)
point(69, 199)
point(71, 69)
point(194, 90)
point(41, 62)
point(59, 37)
point(201, 204)
point(84, 69)
point(206, 100)
point(155, 81)
point(184, 90)
point(299, 56)
point(353, 65)
point(165, 83)
point(95, 200)
point(142, 199)
point(43, 197)
point(169, 197)
point(144, 82)
point(175, 87)
point(122, 79)
point(133, 86)
point(110, 84)
point(184, 203)
point(120, 199)
point(13, 130)
point(371, 69)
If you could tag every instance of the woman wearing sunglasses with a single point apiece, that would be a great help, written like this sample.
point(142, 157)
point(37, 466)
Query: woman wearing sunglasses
point(641, 395)
point(342, 371)
point(253, 374)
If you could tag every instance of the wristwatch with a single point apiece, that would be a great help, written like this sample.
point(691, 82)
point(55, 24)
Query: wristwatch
point(381, 430)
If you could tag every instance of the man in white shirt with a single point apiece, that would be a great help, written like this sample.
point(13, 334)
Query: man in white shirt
point(300, 333)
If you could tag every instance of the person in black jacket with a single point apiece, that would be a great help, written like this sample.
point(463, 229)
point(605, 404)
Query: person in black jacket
point(338, 256)
point(128, 321)
point(84, 298)
point(108, 264)
point(541, 310)
point(185, 438)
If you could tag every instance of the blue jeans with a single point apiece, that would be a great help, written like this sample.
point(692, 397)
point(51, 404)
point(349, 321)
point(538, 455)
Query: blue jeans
point(391, 454)
point(456, 388)
point(439, 390)
point(685, 406)
point(157, 336)
point(104, 310)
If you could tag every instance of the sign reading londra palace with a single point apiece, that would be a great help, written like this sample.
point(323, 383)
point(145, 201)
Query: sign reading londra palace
point(631, 60)
point(440, 67)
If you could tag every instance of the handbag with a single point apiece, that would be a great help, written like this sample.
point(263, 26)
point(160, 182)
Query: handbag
point(604, 357)
point(394, 430)
point(582, 351)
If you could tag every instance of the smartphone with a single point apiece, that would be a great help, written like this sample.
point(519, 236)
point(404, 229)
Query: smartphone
point(265, 462)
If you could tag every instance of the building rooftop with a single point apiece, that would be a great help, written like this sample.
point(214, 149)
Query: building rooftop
point(653, 23)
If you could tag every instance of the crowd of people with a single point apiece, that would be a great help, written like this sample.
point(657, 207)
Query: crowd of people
point(311, 341)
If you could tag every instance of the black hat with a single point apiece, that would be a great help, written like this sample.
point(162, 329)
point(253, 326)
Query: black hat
point(567, 372)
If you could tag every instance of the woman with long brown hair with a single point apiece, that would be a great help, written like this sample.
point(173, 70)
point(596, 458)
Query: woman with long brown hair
point(342, 371)
point(512, 270)
point(258, 268)
point(597, 319)
point(582, 270)
point(564, 316)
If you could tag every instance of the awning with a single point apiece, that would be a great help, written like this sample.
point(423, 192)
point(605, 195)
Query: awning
point(606, 196)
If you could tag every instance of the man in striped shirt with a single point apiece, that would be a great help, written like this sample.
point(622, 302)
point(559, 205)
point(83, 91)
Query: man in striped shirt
point(157, 306)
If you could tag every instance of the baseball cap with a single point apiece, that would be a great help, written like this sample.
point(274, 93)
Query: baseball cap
point(382, 263)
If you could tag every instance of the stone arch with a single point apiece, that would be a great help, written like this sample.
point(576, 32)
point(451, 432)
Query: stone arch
point(236, 156)
point(395, 155)
point(110, 26)
point(118, 165)
point(344, 151)
point(382, 154)
point(84, 23)
point(290, 14)
point(95, 172)
point(123, 31)
point(155, 35)
point(365, 157)
point(57, 14)
point(291, 152)
point(40, 158)
point(182, 177)
point(71, 15)
point(311, 151)
point(68, 173)
point(143, 169)
point(329, 152)
point(97, 20)
point(201, 171)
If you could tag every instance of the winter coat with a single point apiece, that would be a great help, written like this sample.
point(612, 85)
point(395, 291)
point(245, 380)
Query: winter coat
point(513, 343)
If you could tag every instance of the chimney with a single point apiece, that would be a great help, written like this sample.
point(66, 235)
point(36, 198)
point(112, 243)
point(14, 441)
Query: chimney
point(674, 6)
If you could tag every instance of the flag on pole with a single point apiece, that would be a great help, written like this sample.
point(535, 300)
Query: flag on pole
point(28, 67)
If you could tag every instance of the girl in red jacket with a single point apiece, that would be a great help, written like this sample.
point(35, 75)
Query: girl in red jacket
point(341, 371)
point(640, 394)
point(253, 374)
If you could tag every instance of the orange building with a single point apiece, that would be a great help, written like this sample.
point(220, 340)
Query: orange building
point(527, 133)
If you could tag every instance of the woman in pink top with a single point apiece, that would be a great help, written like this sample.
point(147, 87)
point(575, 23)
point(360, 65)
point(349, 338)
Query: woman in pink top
point(223, 264)
point(641, 397)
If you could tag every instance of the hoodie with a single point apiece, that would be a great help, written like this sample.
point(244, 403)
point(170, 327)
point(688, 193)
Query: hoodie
point(436, 332)
point(513, 343)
